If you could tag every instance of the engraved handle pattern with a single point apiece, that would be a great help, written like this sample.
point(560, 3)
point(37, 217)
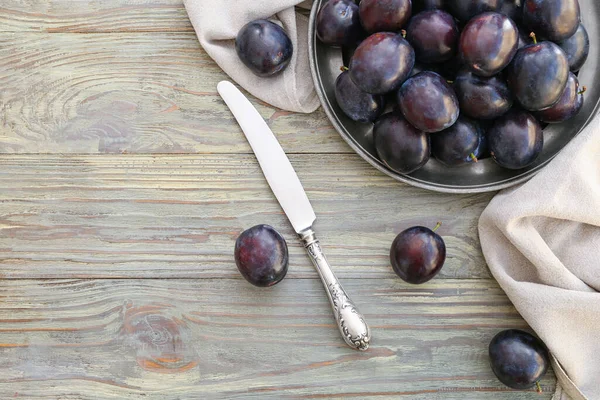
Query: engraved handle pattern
point(351, 323)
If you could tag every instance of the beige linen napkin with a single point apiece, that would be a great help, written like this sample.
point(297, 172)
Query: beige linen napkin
point(217, 23)
point(541, 241)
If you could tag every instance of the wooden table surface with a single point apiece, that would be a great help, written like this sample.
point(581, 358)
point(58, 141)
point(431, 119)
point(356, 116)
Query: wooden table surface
point(124, 182)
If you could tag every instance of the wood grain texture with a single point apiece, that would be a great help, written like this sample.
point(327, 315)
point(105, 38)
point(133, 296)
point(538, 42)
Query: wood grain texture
point(176, 339)
point(78, 16)
point(179, 216)
point(130, 93)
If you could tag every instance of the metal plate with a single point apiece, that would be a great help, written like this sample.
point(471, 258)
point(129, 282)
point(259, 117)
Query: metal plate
point(483, 176)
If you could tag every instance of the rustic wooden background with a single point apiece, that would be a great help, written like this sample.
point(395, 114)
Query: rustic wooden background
point(124, 183)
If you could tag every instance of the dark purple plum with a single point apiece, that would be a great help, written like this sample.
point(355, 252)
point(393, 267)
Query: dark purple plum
point(421, 5)
point(482, 98)
point(515, 140)
point(417, 254)
point(577, 48)
point(357, 105)
point(381, 63)
point(460, 144)
point(512, 8)
point(519, 360)
point(399, 145)
point(537, 75)
point(434, 36)
point(261, 255)
point(464, 10)
point(568, 105)
point(384, 15)
point(552, 19)
point(428, 102)
point(488, 43)
point(338, 23)
point(264, 47)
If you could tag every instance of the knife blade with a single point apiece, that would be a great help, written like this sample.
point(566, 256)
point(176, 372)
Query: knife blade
point(273, 161)
point(288, 190)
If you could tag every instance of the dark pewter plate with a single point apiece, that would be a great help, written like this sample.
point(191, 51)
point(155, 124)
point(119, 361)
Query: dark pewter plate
point(484, 176)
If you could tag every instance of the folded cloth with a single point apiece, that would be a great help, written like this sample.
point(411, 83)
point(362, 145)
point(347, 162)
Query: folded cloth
point(217, 23)
point(541, 241)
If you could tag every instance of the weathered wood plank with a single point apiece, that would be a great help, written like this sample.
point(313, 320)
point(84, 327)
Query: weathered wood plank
point(117, 93)
point(90, 16)
point(179, 216)
point(94, 16)
point(191, 338)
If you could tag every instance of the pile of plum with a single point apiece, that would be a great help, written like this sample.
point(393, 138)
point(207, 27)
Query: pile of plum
point(463, 79)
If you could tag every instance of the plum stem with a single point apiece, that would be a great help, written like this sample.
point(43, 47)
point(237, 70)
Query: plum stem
point(450, 82)
point(343, 68)
point(534, 37)
point(436, 226)
point(538, 388)
point(582, 91)
point(473, 157)
point(403, 33)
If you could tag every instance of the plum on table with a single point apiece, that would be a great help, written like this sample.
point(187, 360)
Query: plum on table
point(357, 105)
point(261, 255)
point(515, 140)
point(577, 48)
point(264, 47)
point(417, 254)
point(518, 359)
point(428, 102)
point(488, 43)
point(462, 143)
point(552, 19)
point(537, 75)
point(381, 62)
point(399, 145)
point(480, 97)
point(338, 23)
point(568, 105)
point(384, 15)
point(434, 36)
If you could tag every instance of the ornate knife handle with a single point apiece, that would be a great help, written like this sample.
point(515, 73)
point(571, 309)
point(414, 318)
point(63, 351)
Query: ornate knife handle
point(351, 323)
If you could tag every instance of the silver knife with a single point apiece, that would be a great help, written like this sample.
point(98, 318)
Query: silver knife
point(291, 196)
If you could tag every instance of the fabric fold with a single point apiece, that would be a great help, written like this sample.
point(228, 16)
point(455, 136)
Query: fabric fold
point(217, 24)
point(541, 241)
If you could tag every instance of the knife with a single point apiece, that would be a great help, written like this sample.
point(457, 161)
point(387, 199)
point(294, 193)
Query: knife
point(291, 196)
